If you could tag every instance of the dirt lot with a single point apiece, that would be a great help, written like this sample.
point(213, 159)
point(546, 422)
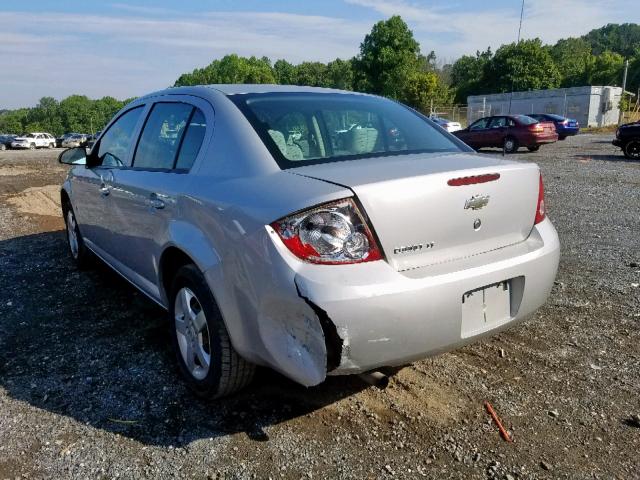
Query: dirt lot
point(89, 388)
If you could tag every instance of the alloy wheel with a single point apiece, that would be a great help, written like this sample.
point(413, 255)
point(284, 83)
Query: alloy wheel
point(633, 149)
point(192, 333)
point(72, 234)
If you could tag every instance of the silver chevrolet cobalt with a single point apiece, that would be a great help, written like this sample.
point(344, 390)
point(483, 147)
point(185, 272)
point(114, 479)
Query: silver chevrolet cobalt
point(317, 232)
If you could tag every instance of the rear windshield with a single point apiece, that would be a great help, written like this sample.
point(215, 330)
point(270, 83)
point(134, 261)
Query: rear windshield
point(306, 128)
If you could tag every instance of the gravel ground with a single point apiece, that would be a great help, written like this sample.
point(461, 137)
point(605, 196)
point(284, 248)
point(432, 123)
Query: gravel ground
point(89, 388)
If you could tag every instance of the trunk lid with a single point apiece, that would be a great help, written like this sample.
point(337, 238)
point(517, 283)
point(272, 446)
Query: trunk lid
point(421, 220)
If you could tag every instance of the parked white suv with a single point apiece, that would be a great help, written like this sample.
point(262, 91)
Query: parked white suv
point(34, 140)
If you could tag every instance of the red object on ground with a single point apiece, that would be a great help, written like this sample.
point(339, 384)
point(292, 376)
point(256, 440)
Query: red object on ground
point(503, 431)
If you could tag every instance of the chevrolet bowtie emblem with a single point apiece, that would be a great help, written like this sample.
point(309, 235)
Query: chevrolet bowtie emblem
point(476, 202)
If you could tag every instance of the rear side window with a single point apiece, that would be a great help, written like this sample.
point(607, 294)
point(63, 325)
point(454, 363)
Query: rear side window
point(192, 141)
point(162, 135)
point(115, 143)
point(171, 138)
point(524, 120)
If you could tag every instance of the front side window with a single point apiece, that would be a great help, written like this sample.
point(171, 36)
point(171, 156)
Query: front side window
point(115, 143)
point(480, 124)
point(304, 128)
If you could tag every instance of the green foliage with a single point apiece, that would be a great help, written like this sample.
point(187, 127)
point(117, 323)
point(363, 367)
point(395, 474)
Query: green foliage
point(389, 55)
point(231, 69)
point(523, 66)
point(572, 56)
point(467, 72)
point(604, 69)
point(622, 39)
point(76, 113)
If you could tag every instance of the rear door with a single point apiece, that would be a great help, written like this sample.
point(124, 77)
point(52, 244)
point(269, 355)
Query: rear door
point(146, 195)
point(498, 130)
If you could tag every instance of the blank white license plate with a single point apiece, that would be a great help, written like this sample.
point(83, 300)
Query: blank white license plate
point(485, 308)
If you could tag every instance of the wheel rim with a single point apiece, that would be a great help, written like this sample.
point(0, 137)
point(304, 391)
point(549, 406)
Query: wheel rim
point(192, 333)
point(72, 234)
point(633, 149)
point(508, 145)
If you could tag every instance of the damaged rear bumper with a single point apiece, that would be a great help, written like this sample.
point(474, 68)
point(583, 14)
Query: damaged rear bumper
point(388, 318)
point(308, 321)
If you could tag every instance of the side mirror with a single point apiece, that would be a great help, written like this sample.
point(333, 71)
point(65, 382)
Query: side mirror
point(73, 156)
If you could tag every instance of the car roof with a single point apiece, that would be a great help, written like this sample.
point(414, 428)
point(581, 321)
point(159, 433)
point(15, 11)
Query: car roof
point(207, 91)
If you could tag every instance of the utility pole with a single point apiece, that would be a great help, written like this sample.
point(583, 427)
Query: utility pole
point(519, 30)
point(624, 87)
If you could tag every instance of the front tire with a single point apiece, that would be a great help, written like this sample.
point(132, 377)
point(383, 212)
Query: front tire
point(510, 145)
point(206, 358)
point(632, 149)
point(77, 248)
point(535, 148)
point(32, 146)
point(2, 146)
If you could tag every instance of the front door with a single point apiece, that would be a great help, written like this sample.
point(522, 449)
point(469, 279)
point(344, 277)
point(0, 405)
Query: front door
point(92, 186)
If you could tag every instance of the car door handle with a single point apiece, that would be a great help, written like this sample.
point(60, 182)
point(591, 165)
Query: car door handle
point(155, 202)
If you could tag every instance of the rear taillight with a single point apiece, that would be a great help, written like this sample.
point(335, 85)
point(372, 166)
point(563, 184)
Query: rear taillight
point(536, 127)
point(541, 212)
point(333, 233)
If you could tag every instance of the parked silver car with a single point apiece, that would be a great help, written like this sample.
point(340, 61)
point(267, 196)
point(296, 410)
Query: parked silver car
point(314, 231)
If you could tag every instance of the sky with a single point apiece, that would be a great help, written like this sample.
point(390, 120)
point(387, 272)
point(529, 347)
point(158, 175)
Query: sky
point(125, 49)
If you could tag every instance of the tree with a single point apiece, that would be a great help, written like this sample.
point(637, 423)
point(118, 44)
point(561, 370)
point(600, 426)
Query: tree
point(340, 74)
point(421, 89)
point(231, 69)
point(312, 74)
point(467, 74)
point(388, 56)
point(604, 69)
point(571, 56)
point(622, 39)
point(285, 72)
point(523, 66)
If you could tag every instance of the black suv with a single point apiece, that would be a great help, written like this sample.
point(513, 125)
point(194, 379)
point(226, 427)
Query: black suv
point(628, 138)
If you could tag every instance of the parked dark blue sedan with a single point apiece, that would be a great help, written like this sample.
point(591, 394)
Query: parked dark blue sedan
point(565, 127)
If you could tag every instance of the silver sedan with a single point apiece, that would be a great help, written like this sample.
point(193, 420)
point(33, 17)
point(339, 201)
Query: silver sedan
point(317, 232)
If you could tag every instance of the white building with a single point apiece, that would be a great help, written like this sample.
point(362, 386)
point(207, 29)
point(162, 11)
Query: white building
point(590, 106)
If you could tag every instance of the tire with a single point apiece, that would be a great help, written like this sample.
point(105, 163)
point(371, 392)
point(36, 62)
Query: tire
point(562, 137)
point(32, 146)
point(510, 145)
point(535, 148)
point(77, 249)
point(197, 332)
point(51, 145)
point(2, 146)
point(631, 149)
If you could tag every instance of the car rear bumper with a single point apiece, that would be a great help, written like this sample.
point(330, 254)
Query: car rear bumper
point(387, 318)
point(539, 139)
point(567, 131)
